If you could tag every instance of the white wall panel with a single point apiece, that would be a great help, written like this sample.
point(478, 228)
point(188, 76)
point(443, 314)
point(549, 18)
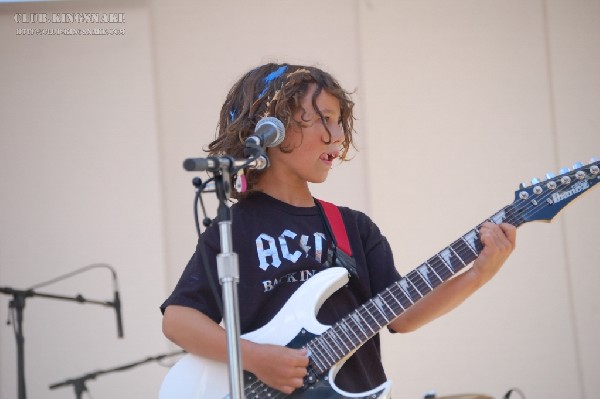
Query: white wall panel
point(574, 49)
point(79, 173)
point(460, 108)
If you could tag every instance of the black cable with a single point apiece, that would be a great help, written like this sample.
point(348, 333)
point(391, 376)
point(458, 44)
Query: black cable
point(508, 394)
point(200, 186)
point(73, 273)
point(201, 246)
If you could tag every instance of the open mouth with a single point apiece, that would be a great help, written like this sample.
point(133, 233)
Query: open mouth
point(329, 156)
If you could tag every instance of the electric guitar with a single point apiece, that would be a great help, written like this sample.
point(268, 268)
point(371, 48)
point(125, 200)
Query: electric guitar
point(295, 325)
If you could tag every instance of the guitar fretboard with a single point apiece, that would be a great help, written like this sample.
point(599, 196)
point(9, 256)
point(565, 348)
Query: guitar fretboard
point(356, 328)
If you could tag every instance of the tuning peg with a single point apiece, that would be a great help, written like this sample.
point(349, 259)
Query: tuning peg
point(550, 176)
point(523, 185)
point(577, 165)
point(594, 159)
point(563, 171)
point(535, 181)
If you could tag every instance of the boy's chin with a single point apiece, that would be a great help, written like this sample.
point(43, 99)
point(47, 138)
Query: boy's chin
point(319, 179)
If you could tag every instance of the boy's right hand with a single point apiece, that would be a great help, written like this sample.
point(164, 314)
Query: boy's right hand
point(277, 366)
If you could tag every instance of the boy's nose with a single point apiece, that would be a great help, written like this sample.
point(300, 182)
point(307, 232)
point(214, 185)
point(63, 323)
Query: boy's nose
point(337, 134)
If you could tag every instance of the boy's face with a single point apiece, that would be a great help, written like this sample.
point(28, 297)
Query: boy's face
point(311, 158)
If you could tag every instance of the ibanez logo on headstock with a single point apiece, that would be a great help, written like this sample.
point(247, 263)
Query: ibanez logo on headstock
point(542, 200)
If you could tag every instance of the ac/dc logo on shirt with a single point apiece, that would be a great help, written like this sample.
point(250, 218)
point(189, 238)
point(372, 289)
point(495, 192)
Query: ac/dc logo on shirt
point(289, 247)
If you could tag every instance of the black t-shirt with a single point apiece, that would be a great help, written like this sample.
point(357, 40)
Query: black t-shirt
point(279, 247)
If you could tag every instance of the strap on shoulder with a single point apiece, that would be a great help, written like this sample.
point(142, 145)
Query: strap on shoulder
point(334, 217)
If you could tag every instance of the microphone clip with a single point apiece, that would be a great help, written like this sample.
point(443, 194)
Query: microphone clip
point(253, 147)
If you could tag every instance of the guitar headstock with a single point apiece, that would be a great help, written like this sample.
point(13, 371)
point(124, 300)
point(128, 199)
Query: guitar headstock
point(543, 199)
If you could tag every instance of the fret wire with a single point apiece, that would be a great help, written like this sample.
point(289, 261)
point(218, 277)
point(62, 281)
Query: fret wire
point(406, 294)
point(469, 246)
point(433, 270)
point(393, 312)
point(458, 256)
point(402, 294)
point(366, 322)
point(441, 267)
point(325, 356)
point(322, 354)
point(411, 283)
point(446, 264)
point(345, 329)
point(328, 348)
point(395, 299)
point(467, 256)
point(335, 341)
point(421, 281)
point(357, 322)
point(316, 361)
point(424, 277)
point(422, 285)
point(340, 332)
point(382, 307)
point(377, 307)
point(345, 321)
point(331, 339)
point(315, 356)
point(355, 343)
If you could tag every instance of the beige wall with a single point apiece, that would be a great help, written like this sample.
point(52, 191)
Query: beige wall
point(458, 102)
point(80, 176)
point(485, 95)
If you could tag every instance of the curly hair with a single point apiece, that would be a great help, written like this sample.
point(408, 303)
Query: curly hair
point(275, 90)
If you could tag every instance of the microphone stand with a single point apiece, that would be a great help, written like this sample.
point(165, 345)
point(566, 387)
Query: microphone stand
point(79, 382)
point(18, 305)
point(229, 276)
point(227, 260)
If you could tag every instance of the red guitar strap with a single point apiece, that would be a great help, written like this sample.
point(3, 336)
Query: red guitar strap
point(338, 229)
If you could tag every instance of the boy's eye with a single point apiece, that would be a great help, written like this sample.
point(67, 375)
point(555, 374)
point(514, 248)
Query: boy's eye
point(327, 119)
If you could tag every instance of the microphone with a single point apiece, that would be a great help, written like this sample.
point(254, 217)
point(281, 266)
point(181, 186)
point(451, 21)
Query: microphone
point(117, 305)
point(215, 164)
point(269, 132)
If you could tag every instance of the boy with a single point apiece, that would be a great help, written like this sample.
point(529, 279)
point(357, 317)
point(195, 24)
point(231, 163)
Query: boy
point(282, 237)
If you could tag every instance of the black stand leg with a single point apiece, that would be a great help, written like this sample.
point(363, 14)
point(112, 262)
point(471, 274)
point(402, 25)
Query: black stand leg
point(80, 388)
point(18, 304)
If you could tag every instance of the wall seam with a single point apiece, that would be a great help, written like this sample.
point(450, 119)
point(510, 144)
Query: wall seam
point(362, 85)
point(160, 145)
point(562, 223)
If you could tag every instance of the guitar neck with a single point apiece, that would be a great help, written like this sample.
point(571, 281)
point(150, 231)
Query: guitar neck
point(541, 201)
point(356, 328)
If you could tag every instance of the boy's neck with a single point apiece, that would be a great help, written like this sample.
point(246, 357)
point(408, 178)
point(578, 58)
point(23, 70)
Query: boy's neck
point(296, 196)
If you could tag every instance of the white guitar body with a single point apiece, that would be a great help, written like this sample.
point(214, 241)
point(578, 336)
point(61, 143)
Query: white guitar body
point(194, 377)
